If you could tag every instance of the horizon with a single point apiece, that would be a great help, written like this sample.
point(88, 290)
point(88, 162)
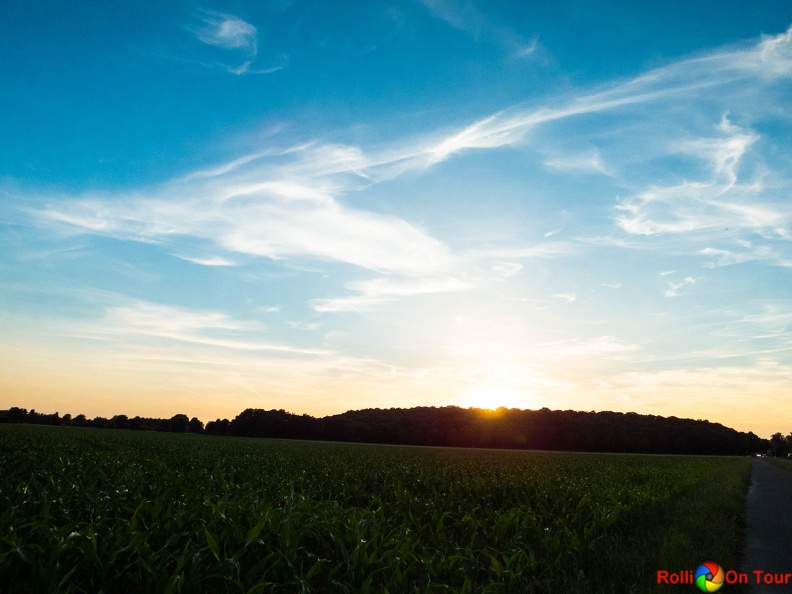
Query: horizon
point(488, 412)
point(424, 203)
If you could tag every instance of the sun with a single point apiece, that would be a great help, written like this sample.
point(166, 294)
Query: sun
point(491, 396)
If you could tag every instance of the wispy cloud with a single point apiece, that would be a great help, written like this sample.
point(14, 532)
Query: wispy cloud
point(463, 15)
point(698, 206)
point(606, 346)
point(125, 325)
point(774, 319)
point(675, 288)
point(507, 269)
point(565, 297)
point(745, 251)
point(211, 261)
point(355, 303)
point(717, 202)
point(272, 219)
point(228, 31)
point(590, 162)
point(381, 290)
point(547, 249)
point(236, 37)
point(183, 325)
point(761, 64)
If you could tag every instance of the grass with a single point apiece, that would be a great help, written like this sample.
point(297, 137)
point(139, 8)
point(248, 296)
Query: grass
point(784, 463)
point(85, 510)
point(708, 524)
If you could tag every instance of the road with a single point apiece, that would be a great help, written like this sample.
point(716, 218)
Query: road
point(769, 535)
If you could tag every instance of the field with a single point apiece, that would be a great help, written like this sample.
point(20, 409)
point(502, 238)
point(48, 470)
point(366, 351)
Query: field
point(784, 463)
point(85, 510)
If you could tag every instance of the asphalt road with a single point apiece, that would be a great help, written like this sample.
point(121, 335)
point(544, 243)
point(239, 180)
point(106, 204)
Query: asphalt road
point(768, 543)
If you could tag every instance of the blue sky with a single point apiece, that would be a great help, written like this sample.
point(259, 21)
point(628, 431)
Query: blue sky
point(327, 207)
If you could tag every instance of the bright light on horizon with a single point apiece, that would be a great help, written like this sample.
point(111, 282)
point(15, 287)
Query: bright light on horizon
point(493, 396)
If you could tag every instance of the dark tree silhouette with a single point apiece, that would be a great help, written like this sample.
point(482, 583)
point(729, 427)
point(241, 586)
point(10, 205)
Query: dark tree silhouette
point(219, 427)
point(119, 422)
point(195, 426)
point(779, 446)
point(458, 427)
point(178, 423)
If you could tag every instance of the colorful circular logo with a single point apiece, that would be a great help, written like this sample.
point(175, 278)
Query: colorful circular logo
point(709, 576)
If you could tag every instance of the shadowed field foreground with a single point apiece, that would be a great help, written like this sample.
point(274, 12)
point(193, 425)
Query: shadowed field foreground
point(86, 510)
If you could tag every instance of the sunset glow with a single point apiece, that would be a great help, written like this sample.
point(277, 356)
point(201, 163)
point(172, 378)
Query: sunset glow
point(322, 207)
point(494, 397)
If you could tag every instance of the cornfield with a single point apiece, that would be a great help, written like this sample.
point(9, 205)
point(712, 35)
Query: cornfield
point(84, 510)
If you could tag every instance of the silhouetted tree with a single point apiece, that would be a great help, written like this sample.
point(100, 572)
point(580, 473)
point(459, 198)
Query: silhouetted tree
point(195, 426)
point(99, 423)
point(219, 427)
point(14, 415)
point(778, 445)
point(120, 422)
point(178, 423)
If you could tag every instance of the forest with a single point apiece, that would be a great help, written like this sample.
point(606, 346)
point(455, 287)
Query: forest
point(453, 426)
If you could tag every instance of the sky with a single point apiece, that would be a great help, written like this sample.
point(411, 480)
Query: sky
point(326, 206)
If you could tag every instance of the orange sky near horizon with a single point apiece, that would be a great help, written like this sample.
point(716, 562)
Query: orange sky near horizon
point(50, 382)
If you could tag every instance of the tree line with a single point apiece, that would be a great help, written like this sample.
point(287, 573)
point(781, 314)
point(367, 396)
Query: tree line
point(458, 427)
point(176, 424)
